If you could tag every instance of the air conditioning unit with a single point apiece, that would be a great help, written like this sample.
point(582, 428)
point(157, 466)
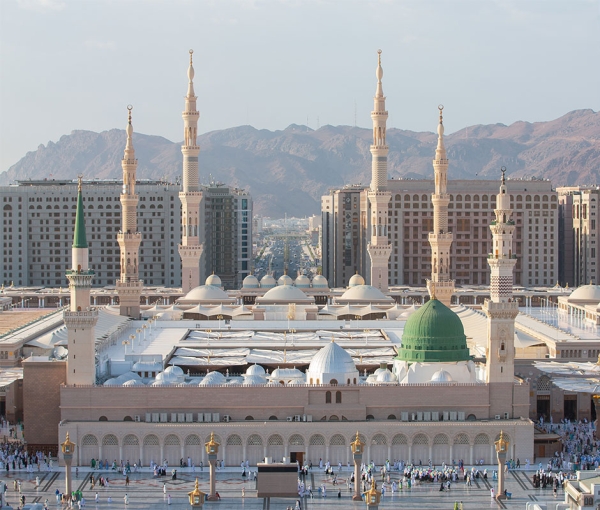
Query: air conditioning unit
point(137, 417)
point(290, 418)
point(506, 416)
point(497, 416)
point(226, 418)
point(297, 417)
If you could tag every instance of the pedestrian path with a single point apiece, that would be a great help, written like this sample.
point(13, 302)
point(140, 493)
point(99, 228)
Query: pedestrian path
point(147, 492)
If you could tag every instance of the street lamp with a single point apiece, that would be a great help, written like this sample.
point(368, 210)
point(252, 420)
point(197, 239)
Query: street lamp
point(125, 343)
point(220, 318)
point(366, 332)
point(208, 332)
point(292, 331)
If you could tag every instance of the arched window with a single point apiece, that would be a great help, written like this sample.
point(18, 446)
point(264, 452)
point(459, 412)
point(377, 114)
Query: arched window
point(338, 397)
point(333, 382)
point(328, 397)
point(249, 418)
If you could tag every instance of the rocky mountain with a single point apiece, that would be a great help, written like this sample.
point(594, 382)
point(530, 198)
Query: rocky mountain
point(287, 171)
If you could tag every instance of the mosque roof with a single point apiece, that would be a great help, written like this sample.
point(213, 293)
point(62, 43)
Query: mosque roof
point(284, 279)
point(284, 293)
point(332, 359)
point(586, 293)
point(267, 281)
point(302, 281)
point(206, 293)
point(363, 293)
point(213, 279)
point(356, 280)
point(434, 333)
point(319, 281)
point(250, 282)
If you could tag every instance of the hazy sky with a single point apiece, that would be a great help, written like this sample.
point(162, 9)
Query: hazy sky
point(67, 65)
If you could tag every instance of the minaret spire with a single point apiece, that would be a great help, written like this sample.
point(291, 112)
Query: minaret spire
point(190, 249)
point(129, 286)
point(440, 239)
point(80, 319)
point(501, 308)
point(379, 247)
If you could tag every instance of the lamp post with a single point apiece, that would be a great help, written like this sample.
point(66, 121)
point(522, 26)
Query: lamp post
point(68, 448)
point(501, 449)
point(208, 332)
point(292, 331)
point(145, 327)
point(138, 331)
point(196, 496)
point(220, 317)
point(125, 344)
point(366, 332)
point(357, 447)
point(212, 449)
point(373, 496)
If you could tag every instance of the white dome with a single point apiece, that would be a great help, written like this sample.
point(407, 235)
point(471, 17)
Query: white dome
point(255, 370)
point(213, 378)
point(207, 293)
point(173, 369)
point(128, 376)
point(320, 282)
point(251, 380)
point(133, 382)
point(296, 382)
point(586, 293)
point(267, 282)
point(386, 377)
point(284, 279)
point(162, 383)
point(286, 373)
point(213, 279)
point(234, 382)
point(112, 382)
point(284, 293)
point(356, 280)
point(302, 282)
point(364, 293)
point(332, 362)
point(250, 282)
point(441, 376)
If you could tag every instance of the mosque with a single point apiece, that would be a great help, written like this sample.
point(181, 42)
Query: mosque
point(280, 369)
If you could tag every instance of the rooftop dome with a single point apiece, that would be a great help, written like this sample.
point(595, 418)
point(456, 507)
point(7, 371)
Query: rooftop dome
point(174, 370)
point(302, 282)
point(434, 333)
point(320, 282)
point(363, 293)
point(332, 363)
point(286, 373)
point(356, 280)
point(284, 279)
point(213, 279)
point(267, 282)
point(207, 293)
point(255, 370)
point(386, 377)
point(250, 282)
point(586, 293)
point(212, 379)
point(284, 293)
point(441, 376)
point(251, 380)
point(133, 382)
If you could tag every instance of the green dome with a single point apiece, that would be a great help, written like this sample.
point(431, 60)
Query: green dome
point(434, 333)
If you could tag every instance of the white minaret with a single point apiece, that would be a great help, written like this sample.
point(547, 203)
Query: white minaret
point(379, 247)
point(80, 319)
point(190, 249)
point(129, 286)
point(501, 309)
point(440, 239)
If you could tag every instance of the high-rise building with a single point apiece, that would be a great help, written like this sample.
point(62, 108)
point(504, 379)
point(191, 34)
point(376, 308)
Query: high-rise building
point(38, 218)
point(129, 286)
point(470, 210)
point(226, 234)
point(579, 231)
point(441, 238)
point(80, 319)
point(379, 247)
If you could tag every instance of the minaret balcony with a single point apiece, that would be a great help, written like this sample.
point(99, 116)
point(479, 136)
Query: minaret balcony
point(79, 272)
point(136, 236)
point(441, 237)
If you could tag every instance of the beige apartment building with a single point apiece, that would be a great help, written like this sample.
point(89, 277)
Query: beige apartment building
point(345, 214)
point(579, 232)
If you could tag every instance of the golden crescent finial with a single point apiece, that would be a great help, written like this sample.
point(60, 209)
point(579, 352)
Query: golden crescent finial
point(191, 53)
point(441, 108)
point(129, 108)
point(503, 170)
point(79, 179)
